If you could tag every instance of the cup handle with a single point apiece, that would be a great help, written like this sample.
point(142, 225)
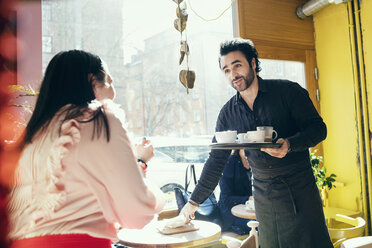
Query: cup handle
point(276, 134)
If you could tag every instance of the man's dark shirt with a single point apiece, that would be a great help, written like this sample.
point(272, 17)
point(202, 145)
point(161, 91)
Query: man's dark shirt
point(282, 104)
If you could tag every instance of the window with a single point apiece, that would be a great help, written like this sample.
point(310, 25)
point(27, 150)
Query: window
point(129, 106)
point(182, 116)
point(139, 43)
point(47, 44)
point(195, 95)
point(170, 119)
point(130, 124)
point(46, 12)
point(138, 104)
point(196, 116)
point(139, 123)
point(282, 69)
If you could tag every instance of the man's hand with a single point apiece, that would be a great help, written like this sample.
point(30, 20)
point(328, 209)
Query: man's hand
point(188, 211)
point(278, 152)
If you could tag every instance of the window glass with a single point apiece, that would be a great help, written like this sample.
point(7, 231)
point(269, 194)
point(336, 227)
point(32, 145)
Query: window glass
point(47, 44)
point(138, 41)
point(283, 69)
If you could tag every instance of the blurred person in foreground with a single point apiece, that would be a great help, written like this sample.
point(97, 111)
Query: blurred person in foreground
point(79, 177)
point(286, 198)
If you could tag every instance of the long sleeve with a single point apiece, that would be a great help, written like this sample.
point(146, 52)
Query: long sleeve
point(312, 129)
point(212, 170)
point(115, 177)
point(71, 182)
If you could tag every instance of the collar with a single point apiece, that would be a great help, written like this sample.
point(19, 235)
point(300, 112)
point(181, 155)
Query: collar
point(262, 87)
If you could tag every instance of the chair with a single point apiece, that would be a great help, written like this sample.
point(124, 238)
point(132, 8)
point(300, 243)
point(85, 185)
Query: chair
point(360, 242)
point(346, 228)
point(250, 242)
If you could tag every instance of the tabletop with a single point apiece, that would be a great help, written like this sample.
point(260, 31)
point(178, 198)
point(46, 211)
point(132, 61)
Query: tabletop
point(149, 236)
point(242, 212)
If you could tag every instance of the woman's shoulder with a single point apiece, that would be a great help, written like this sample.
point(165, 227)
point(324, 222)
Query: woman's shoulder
point(109, 107)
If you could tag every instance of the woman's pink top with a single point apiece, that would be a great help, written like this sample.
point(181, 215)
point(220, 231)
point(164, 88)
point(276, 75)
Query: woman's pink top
point(69, 183)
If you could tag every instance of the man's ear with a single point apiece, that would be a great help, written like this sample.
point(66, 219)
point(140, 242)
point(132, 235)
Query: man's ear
point(253, 64)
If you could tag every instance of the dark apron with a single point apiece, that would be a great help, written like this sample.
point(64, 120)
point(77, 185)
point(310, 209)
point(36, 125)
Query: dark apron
point(289, 209)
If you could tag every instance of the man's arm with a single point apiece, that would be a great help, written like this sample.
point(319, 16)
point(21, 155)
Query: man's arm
point(312, 129)
point(210, 176)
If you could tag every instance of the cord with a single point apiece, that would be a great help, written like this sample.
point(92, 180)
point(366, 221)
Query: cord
point(213, 19)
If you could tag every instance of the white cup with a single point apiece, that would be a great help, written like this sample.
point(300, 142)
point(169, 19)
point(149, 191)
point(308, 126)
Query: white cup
point(249, 205)
point(269, 131)
point(241, 138)
point(226, 136)
point(255, 136)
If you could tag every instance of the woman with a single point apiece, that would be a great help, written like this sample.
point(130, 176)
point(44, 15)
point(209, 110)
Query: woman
point(78, 176)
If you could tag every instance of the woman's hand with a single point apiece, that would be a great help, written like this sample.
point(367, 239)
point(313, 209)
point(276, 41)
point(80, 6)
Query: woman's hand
point(145, 150)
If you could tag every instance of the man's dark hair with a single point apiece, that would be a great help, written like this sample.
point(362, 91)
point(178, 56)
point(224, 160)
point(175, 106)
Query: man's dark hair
point(243, 45)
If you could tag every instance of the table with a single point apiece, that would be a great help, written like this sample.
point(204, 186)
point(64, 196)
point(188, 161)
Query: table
point(241, 212)
point(149, 236)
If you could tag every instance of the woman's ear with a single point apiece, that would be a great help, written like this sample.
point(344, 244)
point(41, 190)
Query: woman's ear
point(90, 77)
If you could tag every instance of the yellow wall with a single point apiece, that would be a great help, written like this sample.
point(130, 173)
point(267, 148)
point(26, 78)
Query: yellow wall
point(337, 102)
point(366, 20)
point(366, 30)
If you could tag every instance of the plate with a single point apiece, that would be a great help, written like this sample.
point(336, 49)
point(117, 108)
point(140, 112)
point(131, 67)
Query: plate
point(231, 146)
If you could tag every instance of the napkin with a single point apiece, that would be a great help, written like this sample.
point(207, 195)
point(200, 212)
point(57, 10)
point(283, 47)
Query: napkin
point(175, 222)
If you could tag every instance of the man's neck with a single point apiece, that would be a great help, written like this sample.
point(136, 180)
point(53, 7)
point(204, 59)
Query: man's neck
point(250, 94)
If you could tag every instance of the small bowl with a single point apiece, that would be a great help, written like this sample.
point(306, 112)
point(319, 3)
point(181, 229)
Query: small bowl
point(226, 136)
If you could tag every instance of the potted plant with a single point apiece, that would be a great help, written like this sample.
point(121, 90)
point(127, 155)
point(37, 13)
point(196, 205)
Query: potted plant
point(21, 115)
point(323, 181)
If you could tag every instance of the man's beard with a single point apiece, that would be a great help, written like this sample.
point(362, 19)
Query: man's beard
point(248, 80)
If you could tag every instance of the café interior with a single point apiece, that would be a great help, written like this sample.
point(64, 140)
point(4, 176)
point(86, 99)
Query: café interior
point(332, 39)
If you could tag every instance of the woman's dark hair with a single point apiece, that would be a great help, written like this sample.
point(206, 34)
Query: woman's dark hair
point(243, 45)
point(67, 81)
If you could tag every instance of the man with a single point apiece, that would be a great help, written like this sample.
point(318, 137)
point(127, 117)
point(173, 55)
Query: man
point(287, 201)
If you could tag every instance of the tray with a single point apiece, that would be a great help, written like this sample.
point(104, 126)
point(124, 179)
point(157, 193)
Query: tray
point(233, 146)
